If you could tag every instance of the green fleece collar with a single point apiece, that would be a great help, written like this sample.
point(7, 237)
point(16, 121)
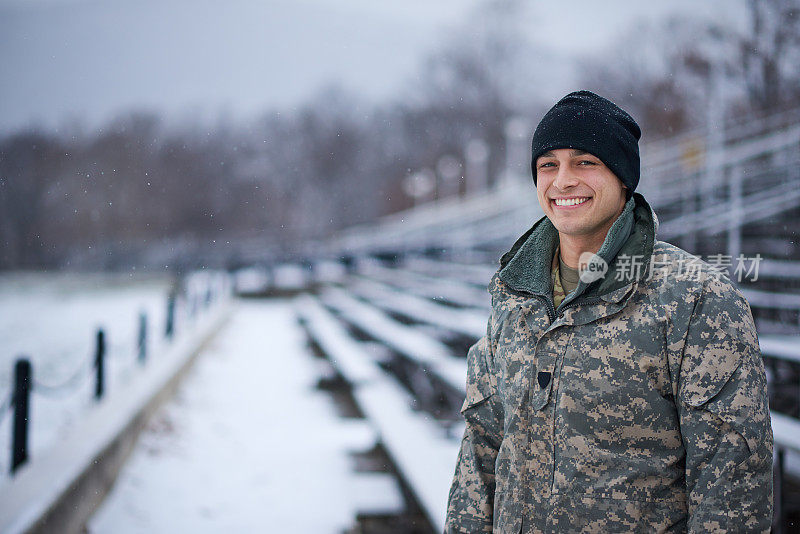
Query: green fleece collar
point(527, 266)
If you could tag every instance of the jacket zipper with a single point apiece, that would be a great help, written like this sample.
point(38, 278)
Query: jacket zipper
point(551, 310)
point(576, 302)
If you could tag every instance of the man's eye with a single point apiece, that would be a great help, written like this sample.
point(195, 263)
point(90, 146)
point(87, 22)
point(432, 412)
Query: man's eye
point(586, 162)
point(547, 164)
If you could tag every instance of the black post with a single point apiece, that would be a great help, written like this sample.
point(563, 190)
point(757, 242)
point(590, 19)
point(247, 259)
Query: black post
point(22, 390)
point(142, 342)
point(349, 263)
point(778, 499)
point(99, 356)
point(170, 328)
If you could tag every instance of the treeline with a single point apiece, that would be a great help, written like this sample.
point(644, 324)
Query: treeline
point(141, 192)
point(100, 199)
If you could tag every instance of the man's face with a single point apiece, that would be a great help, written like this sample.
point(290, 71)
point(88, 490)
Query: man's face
point(578, 193)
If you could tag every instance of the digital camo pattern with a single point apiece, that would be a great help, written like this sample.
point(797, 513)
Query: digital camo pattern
point(644, 412)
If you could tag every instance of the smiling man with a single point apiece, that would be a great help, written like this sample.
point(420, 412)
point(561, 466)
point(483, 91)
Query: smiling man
point(625, 398)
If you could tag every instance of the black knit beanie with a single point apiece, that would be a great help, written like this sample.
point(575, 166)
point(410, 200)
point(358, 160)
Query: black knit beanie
point(589, 122)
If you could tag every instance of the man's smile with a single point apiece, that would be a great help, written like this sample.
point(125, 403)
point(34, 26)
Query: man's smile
point(570, 203)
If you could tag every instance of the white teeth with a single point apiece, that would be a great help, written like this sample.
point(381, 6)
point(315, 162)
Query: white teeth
point(570, 201)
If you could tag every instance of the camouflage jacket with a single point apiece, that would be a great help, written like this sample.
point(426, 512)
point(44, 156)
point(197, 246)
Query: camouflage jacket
point(638, 405)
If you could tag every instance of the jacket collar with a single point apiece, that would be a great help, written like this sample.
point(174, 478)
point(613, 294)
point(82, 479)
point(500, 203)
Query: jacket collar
point(527, 266)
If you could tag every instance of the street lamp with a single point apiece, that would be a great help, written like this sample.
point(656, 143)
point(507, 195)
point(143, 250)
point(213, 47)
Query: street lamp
point(477, 155)
point(449, 169)
point(517, 132)
point(419, 185)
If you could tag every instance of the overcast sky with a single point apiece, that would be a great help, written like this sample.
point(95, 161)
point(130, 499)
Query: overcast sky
point(91, 59)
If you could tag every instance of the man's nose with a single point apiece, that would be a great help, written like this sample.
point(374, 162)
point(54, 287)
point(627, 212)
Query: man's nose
point(565, 178)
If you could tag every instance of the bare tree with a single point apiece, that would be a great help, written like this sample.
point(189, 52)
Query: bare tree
point(771, 52)
point(670, 73)
point(27, 163)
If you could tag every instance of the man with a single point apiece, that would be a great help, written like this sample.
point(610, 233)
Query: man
point(626, 399)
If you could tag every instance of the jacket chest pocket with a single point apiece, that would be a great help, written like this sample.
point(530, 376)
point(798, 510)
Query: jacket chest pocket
point(514, 359)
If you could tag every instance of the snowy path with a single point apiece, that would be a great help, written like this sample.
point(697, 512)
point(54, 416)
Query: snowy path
point(246, 445)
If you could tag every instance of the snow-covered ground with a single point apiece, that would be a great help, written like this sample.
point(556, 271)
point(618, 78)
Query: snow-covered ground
point(247, 444)
point(53, 319)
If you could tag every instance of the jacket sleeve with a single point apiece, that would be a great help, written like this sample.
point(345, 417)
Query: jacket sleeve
point(724, 416)
point(471, 499)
